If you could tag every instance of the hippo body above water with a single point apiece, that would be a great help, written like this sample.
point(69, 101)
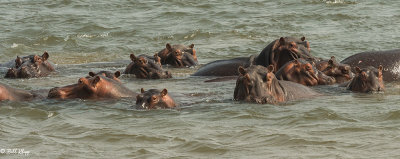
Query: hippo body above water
point(30, 66)
point(97, 87)
point(13, 94)
point(259, 84)
point(277, 53)
point(390, 61)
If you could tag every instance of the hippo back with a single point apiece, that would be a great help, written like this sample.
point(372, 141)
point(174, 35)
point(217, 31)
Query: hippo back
point(295, 91)
point(390, 60)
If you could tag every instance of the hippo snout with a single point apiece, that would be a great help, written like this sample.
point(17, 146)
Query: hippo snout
point(54, 93)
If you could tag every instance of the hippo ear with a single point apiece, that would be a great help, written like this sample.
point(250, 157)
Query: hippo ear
point(168, 46)
point(330, 62)
point(164, 92)
point(117, 74)
point(241, 70)
point(95, 81)
point(18, 62)
point(357, 69)
point(92, 74)
point(303, 38)
point(380, 68)
point(133, 57)
point(141, 90)
point(271, 68)
point(281, 41)
point(45, 56)
point(191, 46)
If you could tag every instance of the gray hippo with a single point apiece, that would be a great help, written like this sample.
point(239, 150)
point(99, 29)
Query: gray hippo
point(30, 66)
point(367, 80)
point(147, 68)
point(259, 84)
point(154, 99)
point(390, 61)
point(178, 55)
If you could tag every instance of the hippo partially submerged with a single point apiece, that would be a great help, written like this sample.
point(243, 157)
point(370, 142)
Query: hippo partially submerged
point(13, 94)
point(145, 67)
point(178, 55)
point(154, 99)
point(277, 53)
point(390, 61)
point(303, 72)
point(30, 66)
point(97, 87)
point(367, 80)
point(341, 72)
point(259, 84)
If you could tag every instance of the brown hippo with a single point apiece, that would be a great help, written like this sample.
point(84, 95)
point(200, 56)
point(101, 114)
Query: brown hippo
point(303, 72)
point(108, 74)
point(259, 84)
point(277, 53)
point(178, 55)
point(341, 72)
point(390, 61)
point(154, 99)
point(97, 87)
point(30, 66)
point(13, 94)
point(144, 67)
point(367, 80)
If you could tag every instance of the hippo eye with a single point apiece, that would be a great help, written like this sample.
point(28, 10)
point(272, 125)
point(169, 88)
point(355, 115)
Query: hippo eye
point(80, 81)
point(345, 71)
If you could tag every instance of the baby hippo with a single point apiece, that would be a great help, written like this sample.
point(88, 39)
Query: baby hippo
point(154, 99)
point(144, 67)
point(30, 66)
point(367, 80)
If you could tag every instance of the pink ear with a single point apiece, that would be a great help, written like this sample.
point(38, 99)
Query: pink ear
point(141, 90)
point(303, 38)
point(164, 92)
point(96, 80)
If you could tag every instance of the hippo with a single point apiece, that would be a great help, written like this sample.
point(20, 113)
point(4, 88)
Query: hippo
point(108, 74)
point(277, 53)
point(97, 87)
point(30, 66)
point(390, 61)
point(144, 67)
point(13, 94)
point(341, 72)
point(367, 80)
point(260, 85)
point(303, 72)
point(178, 55)
point(154, 99)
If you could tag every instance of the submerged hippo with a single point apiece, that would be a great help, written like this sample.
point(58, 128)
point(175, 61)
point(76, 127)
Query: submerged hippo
point(303, 72)
point(97, 87)
point(367, 80)
point(30, 66)
point(178, 55)
point(259, 84)
point(108, 74)
point(144, 67)
point(390, 61)
point(154, 99)
point(341, 72)
point(13, 94)
point(277, 53)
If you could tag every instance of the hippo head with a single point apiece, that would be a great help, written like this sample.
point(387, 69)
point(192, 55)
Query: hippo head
point(367, 80)
point(142, 67)
point(258, 84)
point(154, 99)
point(97, 87)
point(341, 72)
point(283, 50)
point(30, 66)
point(108, 74)
point(178, 55)
point(299, 71)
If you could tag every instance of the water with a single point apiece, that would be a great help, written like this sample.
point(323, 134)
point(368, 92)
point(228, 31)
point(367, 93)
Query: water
point(83, 36)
